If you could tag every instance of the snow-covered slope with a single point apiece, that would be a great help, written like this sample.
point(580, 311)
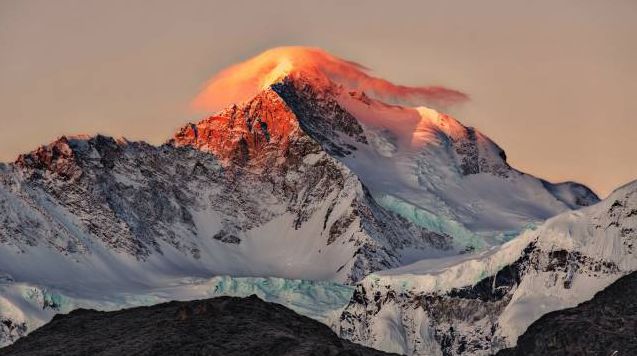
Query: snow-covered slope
point(482, 303)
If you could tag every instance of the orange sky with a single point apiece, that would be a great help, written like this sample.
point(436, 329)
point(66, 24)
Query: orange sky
point(552, 82)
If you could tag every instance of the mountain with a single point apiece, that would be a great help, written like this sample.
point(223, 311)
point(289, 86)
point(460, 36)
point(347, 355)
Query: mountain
point(302, 158)
point(481, 303)
point(311, 170)
point(220, 326)
point(605, 325)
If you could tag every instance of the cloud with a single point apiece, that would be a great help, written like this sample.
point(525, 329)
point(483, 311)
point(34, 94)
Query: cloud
point(242, 81)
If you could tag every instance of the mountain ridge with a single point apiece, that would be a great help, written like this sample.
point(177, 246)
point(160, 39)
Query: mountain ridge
point(481, 303)
point(306, 179)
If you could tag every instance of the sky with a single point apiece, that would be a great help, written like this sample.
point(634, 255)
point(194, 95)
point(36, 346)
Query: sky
point(554, 83)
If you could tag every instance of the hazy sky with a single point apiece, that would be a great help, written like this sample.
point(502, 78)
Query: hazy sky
point(553, 82)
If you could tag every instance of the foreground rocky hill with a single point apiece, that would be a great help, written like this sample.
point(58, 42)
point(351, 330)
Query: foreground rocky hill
point(219, 326)
point(604, 325)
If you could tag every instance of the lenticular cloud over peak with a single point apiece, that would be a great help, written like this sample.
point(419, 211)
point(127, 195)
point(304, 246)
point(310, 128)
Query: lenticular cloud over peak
point(242, 81)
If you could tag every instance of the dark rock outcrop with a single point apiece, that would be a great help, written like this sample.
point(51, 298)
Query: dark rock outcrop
point(219, 326)
point(605, 325)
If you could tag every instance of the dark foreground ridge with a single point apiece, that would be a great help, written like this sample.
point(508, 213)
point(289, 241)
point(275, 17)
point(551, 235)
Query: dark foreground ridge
point(605, 325)
point(218, 326)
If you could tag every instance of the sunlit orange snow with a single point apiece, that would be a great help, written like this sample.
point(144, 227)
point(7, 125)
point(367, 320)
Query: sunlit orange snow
point(242, 81)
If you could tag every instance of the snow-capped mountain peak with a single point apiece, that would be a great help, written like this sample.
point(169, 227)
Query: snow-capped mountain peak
point(310, 170)
point(416, 162)
point(263, 126)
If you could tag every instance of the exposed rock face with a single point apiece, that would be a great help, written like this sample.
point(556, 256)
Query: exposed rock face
point(261, 132)
point(444, 309)
point(129, 196)
point(605, 325)
point(573, 194)
point(219, 326)
point(321, 116)
point(12, 330)
point(57, 156)
point(468, 147)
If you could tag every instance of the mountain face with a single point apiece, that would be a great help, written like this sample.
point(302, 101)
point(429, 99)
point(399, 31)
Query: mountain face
point(307, 176)
point(479, 304)
point(301, 165)
point(220, 326)
point(426, 166)
point(246, 192)
point(604, 325)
